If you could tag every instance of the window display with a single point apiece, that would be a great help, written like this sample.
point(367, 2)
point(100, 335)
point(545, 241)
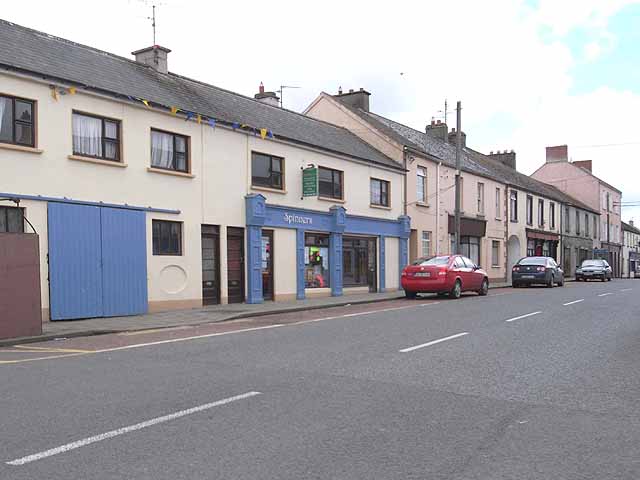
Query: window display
point(316, 261)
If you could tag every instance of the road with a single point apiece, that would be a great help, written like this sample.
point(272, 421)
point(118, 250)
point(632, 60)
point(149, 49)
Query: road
point(522, 384)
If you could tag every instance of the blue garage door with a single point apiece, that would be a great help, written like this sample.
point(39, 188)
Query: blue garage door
point(97, 261)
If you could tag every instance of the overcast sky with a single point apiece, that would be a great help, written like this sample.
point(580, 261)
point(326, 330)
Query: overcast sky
point(530, 73)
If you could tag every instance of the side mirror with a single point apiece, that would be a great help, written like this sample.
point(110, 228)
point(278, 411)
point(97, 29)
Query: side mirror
point(476, 267)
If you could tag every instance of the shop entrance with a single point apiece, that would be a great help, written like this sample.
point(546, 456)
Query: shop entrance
point(235, 264)
point(210, 264)
point(359, 262)
point(267, 264)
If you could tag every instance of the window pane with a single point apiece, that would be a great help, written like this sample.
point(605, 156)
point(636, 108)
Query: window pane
point(260, 170)
point(337, 184)
point(181, 144)
point(6, 120)
point(325, 182)
point(110, 129)
point(15, 222)
point(276, 180)
point(165, 240)
point(24, 134)
point(23, 111)
point(181, 162)
point(276, 164)
point(161, 150)
point(110, 150)
point(156, 237)
point(87, 135)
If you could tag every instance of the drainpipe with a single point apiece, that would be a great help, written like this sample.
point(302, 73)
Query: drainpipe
point(404, 164)
point(438, 208)
point(507, 220)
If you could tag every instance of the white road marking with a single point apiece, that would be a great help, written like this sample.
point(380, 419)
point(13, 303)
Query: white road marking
point(626, 289)
point(440, 340)
point(574, 302)
point(523, 316)
point(605, 294)
point(120, 431)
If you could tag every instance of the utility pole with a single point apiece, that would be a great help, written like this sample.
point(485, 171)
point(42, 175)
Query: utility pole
point(458, 167)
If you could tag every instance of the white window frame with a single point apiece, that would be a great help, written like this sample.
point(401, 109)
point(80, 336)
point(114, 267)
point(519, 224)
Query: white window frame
point(498, 204)
point(425, 240)
point(421, 175)
point(495, 262)
point(480, 198)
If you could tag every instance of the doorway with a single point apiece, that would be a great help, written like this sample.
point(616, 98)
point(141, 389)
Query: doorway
point(359, 262)
point(267, 264)
point(235, 264)
point(210, 264)
point(513, 254)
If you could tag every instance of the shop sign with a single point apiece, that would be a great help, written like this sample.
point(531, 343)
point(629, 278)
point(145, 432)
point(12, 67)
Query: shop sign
point(310, 182)
point(297, 219)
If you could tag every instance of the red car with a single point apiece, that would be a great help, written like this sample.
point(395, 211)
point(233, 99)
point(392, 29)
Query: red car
point(447, 274)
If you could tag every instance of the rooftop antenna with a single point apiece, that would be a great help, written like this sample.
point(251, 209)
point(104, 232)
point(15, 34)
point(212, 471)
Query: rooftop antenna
point(282, 87)
point(153, 21)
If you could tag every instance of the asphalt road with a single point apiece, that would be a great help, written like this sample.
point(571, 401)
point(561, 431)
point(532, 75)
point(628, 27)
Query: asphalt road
point(516, 385)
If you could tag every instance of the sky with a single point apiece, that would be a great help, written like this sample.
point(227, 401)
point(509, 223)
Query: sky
point(529, 73)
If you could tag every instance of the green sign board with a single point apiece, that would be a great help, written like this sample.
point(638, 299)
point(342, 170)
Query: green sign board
point(310, 182)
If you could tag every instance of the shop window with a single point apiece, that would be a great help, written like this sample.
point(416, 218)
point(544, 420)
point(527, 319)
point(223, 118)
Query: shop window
point(470, 248)
point(11, 220)
point(316, 261)
point(379, 192)
point(167, 238)
point(266, 171)
point(330, 183)
point(17, 121)
point(531, 248)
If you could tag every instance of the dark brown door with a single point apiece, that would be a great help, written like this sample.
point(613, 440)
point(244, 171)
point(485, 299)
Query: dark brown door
point(267, 264)
point(235, 264)
point(210, 264)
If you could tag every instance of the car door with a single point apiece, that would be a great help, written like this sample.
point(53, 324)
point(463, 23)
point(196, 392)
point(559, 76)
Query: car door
point(474, 277)
point(557, 271)
point(460, 270)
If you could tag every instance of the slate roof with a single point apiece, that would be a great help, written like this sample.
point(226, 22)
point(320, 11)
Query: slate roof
point(472, 161)
point(37, 53)
point(627, 227)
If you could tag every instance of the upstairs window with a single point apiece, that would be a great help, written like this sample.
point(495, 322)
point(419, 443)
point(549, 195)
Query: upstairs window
point(540, 213)
point(586, 225)
point(552, 216)
point(96, 137)
point(529, 210)
point(513, 205)
point(498, 205)
point(577, 222)
point(169, 151)
point(17, 121)
point(330, 183)
point(567, 220)
point(480, 198)
point(266, 171)
point(379, 192)
point(11, 220)
point(421, 185)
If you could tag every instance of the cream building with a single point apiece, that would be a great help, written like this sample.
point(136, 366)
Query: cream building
point(150, 191)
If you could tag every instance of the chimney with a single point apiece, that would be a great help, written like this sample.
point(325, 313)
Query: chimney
point(557, 154)
point(452, 138)
point(155, 57)
point(437, 129)
point(359, 99)
point(506, 158)
point(586, 164)
point(631, 223)
point(270, 98)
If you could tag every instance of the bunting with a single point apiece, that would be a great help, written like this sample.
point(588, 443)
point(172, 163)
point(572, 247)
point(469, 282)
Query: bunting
point(174, 110)
point(263, 133)
point(54, 93)
point(146, 103)
point(72, 90)
point(199, 119)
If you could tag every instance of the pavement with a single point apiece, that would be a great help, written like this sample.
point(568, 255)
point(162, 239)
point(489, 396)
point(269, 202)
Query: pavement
point(530, 384)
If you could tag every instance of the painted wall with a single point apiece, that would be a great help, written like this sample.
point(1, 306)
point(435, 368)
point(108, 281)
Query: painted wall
point(285, 263)
point(392, 272)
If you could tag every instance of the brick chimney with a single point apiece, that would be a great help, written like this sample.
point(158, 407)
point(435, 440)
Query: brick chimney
point(507, 158)
point(586, 164)
point(557, 154)
point(359, 99)
point(270, 98)
point(437, 129)
point(452, 138)
point(154, 56)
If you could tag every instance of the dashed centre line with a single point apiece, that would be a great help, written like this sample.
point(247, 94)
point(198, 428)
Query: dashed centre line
point(434, 342)
point(605, 294)
point(626, 289)
point(573, 303)
point(522, 316)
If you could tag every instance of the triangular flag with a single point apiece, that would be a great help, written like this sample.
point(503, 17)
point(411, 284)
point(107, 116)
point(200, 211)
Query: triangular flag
point(54, 93)
point(174, 110)
point(212, 122)
point(263, 133)
point(244, 125)
point(235, 125)
point(146, 103)
point(72, 90)
point(269, 134)
point(189, 116)
point(199, 119)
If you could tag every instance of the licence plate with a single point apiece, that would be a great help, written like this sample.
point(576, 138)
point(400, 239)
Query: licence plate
point(588, 273)
point(528, 276)
point(423, 274)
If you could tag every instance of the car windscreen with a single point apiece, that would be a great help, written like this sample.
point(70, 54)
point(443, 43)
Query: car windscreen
point(533, 261)
point(431, 261)
point(593, 263)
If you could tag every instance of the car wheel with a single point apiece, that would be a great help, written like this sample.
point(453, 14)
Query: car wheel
point(409, 295)
point(456, 291)
point(484, 288)
point(551, 283)
point(515, 285)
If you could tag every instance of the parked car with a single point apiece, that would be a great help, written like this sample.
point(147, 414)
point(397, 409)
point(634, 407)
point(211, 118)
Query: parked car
point(446, 274)
point(537, 270)
point(594, 269)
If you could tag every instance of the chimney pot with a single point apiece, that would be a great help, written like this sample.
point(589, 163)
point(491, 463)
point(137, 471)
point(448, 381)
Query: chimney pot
point(438, 122)
point(361, 89)
point(154, 56)
point(351, 90)
point(339, 90)
point(270, 98)
point(261, 88)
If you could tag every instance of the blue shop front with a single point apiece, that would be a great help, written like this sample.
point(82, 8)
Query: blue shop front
point(321, 252)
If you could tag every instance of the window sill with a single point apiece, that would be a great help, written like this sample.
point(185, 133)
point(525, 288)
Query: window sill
point(481, 216)
point(267, 189)
point(97, 161)
point(495, 266)
point(423, 205)
point(19, 148)
point(170, 172)
point(333, 200)
point(381, 207)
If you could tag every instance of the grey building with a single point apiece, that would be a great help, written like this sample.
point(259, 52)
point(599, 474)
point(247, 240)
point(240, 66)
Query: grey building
point(579, 233)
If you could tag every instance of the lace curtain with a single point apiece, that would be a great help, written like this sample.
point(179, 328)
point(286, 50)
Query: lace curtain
point(87, 135)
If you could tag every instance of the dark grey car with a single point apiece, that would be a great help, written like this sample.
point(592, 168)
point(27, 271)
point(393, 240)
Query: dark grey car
point(594, 270)
point(537, 270)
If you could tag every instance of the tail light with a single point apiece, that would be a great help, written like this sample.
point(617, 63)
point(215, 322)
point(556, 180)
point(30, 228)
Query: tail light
point(541, 269)
point(404, 273)
point(442, 271)
point(516, 269)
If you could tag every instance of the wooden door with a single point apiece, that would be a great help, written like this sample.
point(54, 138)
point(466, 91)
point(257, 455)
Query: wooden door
point(210, 265)
point(235, 264)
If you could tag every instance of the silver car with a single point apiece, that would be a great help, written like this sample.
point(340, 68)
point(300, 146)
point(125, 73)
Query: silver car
point(594, 270)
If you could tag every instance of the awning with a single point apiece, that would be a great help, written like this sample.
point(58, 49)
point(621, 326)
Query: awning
point(469, 227)
point(542, 235)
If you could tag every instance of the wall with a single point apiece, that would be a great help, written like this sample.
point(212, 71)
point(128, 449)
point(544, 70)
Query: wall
point(285, 264)
point(392, 269)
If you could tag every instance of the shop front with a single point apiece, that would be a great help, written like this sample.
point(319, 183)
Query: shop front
point(542, 244)
point(472, 230)
point(321, 252)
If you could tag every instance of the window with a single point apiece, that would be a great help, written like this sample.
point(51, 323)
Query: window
point(608, 202)
point(316, 261)
point(421, 185)
point(552, 216)
point(540, 213)
point(426, 244)
point(513, 205)
point(358, 260)
point(459, 263)
point(96, 137)
point(586, 225)
point(11, 220)
point(577, 222)
point(330, 183)
point(17, 121)
point(595, 227)
point(379, 192)
point(529, 210)
point(167, 238)
point(498, 205)
point(470, 247)
point(266, 171)
point(495, 253)
point(480, 198)
point(169, 151)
